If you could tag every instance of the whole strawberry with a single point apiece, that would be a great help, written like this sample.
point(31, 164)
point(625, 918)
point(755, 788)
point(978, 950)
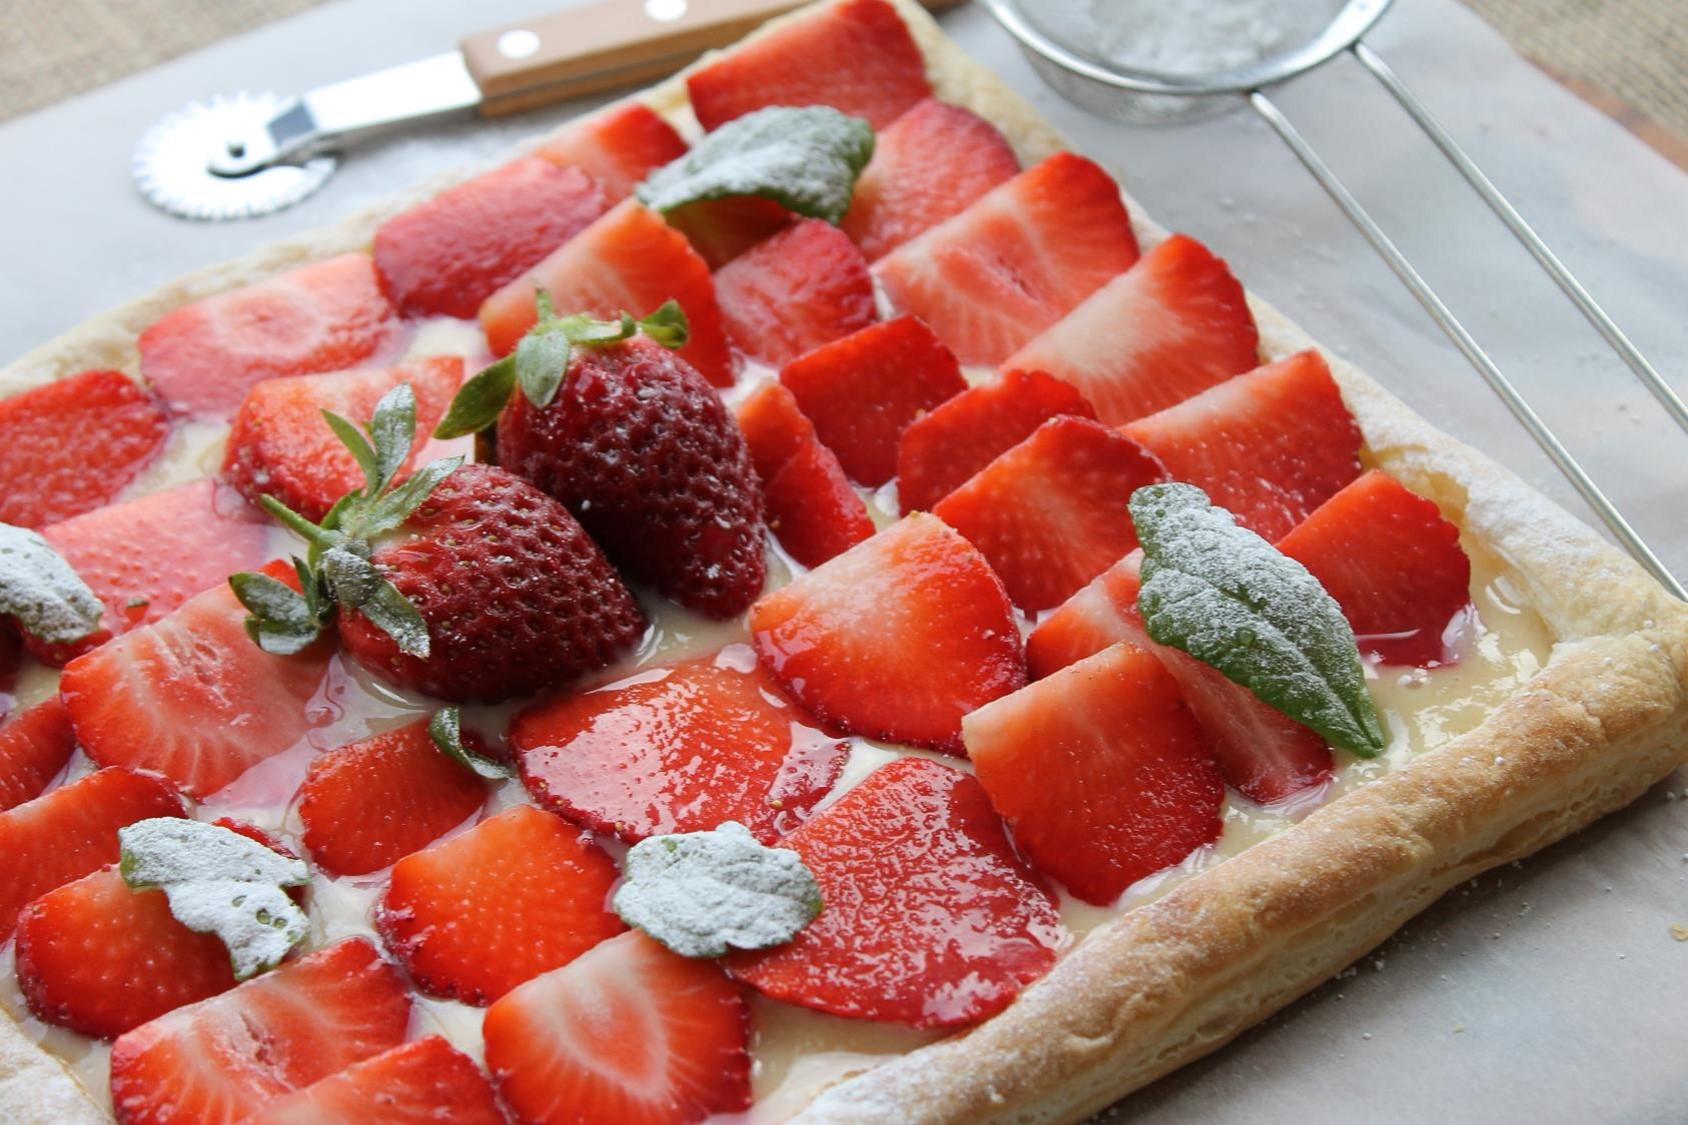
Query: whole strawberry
point(639, 447)
point(481, 587)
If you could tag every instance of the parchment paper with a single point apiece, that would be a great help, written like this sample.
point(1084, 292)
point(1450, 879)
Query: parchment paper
point(1552, 992)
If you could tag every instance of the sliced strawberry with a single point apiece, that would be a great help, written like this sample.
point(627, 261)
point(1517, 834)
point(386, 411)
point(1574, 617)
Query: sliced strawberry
point(1270, 445)
point(1051, 513)
point(65, 834)
point(261, 836)
point(1392, 563)
point(927, 165)
point(474, 916)
point(627, 1033)
point(896, 638)
point(1262, 752)
point(629, 260)
point(775, 428)
point(191, 696)
point(1102, 773)
point(145, 558)
point(34, 747)
point(931, 919)
point(993, 276)
point(812, 510)
point(678, 749)
point(281, 447)
point(100, 958)
point(942, 448)
point(203, 358)
point(810, 506)
point(446, 255)
point(618, 147)
point(1171, 326)
point(722, 229)
point(413, 1083)
point(368, 805)
point(864, 390)
point(217, 1061)
point(804, 287)
point(856, 56)
point(73, 445)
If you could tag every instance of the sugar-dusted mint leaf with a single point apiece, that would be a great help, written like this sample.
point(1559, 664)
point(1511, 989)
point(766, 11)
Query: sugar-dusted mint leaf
point(219, 882)
point(42, 591)
point(1230, 599)
point(446, 730)
point(805, 159)
point(702, 893)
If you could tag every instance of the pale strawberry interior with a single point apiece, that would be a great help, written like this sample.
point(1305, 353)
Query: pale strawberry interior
point(797, 1052)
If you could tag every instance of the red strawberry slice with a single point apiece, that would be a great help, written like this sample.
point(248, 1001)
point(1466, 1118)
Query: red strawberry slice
point(204, 357)
point(281, 447)
point(1392, 563)
point(810, 506)
point(864, 390)
point(474, 916)
point(1270, 445)
point(1018, 259)
point(678, 749)
point(812, 510)
point(368, 805)
point(775, 428)
point(856, 56)
point(927, 165)
point(942, 448)
point(145, 558)
point(426, 1080)
point(73, 445)
point(1051, 513)
point(99, 958)
point(722, 229)
point(953, 924)
point(191, 696)
point(1262, 752)
point(627, 1033)
point(896, 638)
point(1171, 326)
point(628, 260)
point(34, 747)
point(1102, 773)
point(65, 834)
point(618, 147)
point(217, 1061)
point(445, 256)
point(804, 287)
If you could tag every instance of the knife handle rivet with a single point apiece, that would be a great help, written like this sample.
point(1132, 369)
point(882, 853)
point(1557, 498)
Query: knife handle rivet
point(520, 43)
point(665, 11)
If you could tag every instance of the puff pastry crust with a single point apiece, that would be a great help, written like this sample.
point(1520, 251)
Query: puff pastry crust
point(1172, 980)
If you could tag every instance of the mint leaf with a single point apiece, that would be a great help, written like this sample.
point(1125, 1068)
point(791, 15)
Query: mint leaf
point(479, 400)
point(42, 591)
point(446, 730)
point(701, 893)
point(1227, 597)
point(219, 882)
point(805, 159)
point(281, 621)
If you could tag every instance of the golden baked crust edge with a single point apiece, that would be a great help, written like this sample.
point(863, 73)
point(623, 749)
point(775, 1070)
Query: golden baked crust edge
point(1173, 980)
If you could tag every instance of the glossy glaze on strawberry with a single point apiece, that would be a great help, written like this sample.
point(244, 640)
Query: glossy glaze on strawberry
point(423, 1080)
point(804, 287)
point(678, 749)
point(75, 444)
point(646, 455)
point(618, 147)
point(811, 507)
point(897, 638)
point(930, 920)
point(34, 747)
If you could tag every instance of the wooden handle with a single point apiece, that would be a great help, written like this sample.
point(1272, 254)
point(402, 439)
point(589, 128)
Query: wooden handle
point(595, 47)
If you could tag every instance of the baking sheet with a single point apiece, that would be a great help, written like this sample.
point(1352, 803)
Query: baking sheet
point(1550, 991)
